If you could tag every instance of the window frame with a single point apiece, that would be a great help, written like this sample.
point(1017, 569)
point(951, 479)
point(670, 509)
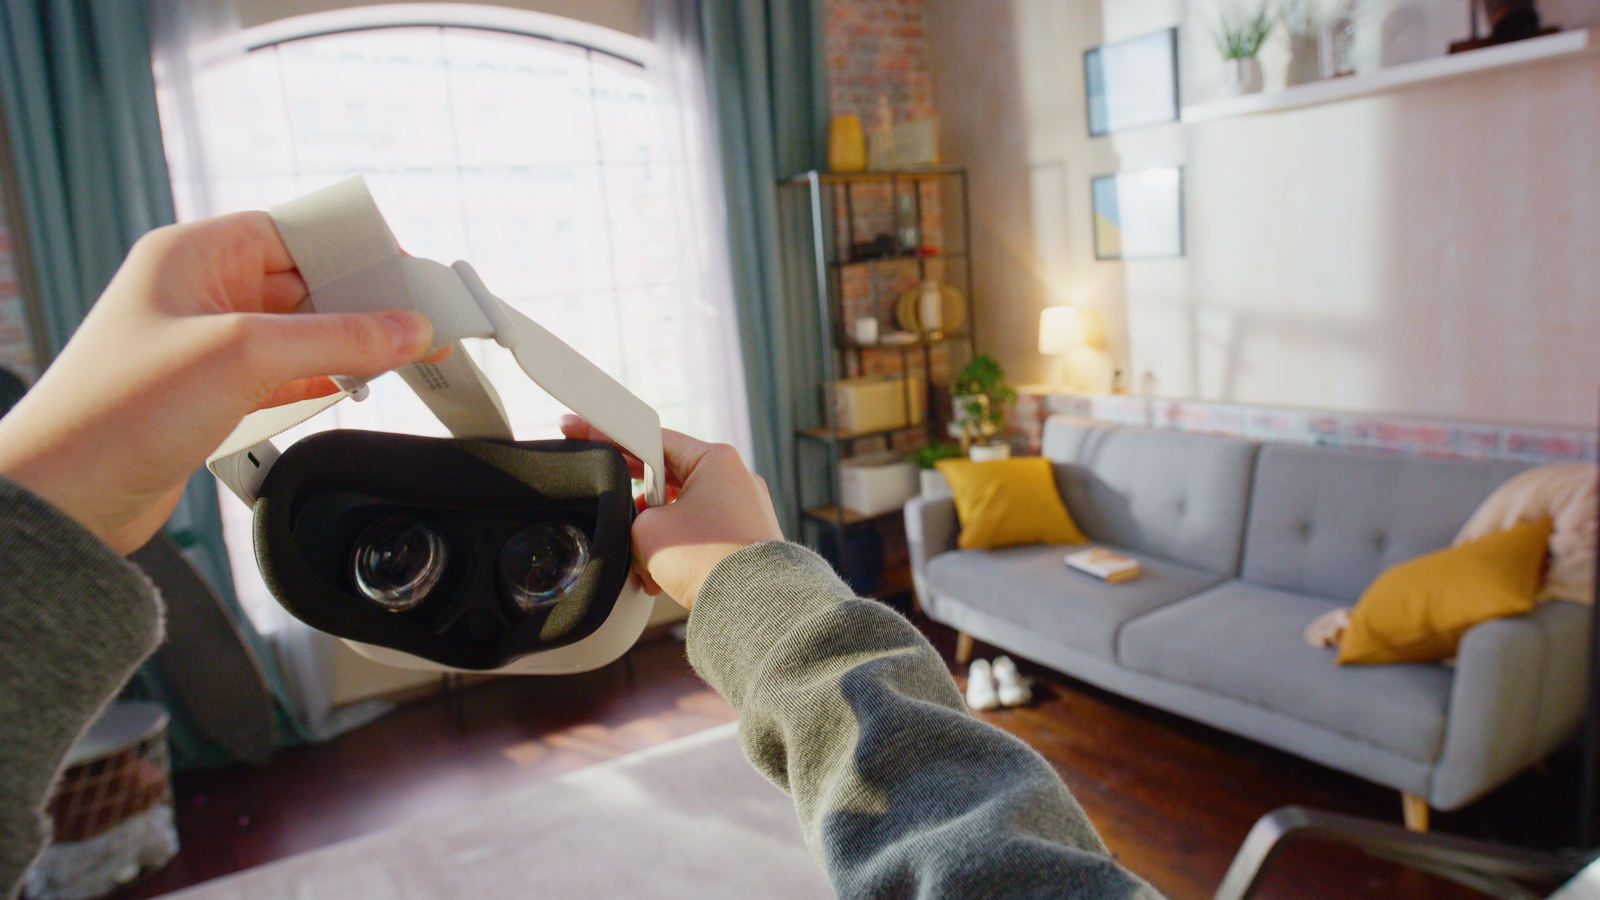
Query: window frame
point(560, 29)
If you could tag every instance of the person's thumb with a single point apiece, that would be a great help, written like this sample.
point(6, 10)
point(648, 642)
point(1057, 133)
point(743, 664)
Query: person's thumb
point(302, 345)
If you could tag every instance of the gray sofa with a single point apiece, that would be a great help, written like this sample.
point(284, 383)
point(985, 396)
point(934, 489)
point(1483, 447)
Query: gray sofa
point(1242, 545)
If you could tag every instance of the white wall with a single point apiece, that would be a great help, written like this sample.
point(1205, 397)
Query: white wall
point(1429, 252)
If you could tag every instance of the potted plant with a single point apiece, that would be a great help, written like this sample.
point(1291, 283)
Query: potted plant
point(934, 484)
point(1240, 33)
point(981, 396)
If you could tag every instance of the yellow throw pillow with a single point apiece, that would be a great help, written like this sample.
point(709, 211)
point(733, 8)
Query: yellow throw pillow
point(1008, 501)
point(1418, 610)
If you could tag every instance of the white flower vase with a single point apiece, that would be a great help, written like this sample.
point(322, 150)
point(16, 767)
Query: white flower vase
point(1241, 76)
point(1305, 59)
point(989, 452)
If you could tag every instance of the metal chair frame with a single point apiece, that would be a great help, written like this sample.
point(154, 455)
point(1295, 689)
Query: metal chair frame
point(1481, 865)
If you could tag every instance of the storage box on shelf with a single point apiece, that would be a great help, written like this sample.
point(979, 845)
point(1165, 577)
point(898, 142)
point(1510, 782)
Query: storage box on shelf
point(889, 247)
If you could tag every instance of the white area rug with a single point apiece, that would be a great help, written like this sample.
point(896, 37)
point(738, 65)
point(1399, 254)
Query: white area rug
point(689, 819)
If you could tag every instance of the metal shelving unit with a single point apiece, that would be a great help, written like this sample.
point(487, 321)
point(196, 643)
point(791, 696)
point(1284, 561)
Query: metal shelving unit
point(843, 217)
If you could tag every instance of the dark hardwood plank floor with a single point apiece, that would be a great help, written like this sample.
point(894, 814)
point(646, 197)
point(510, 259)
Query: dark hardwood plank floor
point(1173, 799)
point(419, 762)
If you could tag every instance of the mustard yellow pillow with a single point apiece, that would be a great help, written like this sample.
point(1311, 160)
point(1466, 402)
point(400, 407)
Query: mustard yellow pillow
point(1008, 501)
point(1418, 610)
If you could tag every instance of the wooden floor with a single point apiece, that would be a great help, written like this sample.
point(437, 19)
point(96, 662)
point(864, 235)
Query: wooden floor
point(1173, 799)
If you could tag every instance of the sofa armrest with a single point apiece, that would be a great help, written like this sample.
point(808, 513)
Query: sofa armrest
point(931, 529)
point(1518, 694)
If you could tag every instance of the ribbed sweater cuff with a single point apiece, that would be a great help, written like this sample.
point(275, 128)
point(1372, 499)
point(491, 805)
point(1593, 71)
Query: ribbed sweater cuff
point(75, 620)
point(748, 603)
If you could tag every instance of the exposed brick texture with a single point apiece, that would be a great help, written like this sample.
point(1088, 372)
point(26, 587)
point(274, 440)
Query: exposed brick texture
point(879, 48)
point(1393, 433)
point(16, 352)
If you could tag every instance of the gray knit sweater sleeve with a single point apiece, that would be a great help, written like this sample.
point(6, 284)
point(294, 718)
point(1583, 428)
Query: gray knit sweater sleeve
point(75, 621)
point(900, 792)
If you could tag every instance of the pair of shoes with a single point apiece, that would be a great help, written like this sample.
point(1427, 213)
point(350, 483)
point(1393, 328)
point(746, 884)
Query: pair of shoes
point(1000, 684)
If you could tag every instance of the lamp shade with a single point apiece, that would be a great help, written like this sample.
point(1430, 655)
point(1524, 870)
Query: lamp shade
point(1060, 330)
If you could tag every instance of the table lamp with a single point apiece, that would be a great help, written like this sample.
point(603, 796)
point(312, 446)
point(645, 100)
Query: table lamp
point(1060, 333)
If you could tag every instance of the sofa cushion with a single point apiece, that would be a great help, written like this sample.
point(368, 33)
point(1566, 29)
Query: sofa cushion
point(1244, 641)
point(1030, 586)
point(1327, 522)
point(1178, 496)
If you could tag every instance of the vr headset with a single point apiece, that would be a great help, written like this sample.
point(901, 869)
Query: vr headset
point(472, 553)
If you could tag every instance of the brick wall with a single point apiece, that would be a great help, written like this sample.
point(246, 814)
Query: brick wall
point(1371, 431)
point(16, 352)
point(879, 48)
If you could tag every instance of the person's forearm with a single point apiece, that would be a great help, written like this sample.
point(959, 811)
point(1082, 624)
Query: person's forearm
point(75, 621)
point(899, 791)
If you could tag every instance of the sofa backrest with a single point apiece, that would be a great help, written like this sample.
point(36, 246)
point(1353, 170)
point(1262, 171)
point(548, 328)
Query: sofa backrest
point(1327, 522)
point(1179, 496)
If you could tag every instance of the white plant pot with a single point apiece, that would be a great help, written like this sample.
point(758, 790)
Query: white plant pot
point(934, 485)
point(1241, 76)
point(989, 452)
point(1305, 59)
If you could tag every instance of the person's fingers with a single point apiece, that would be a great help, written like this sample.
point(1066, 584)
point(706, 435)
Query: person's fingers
point(283, 348)
point(577, 429)
point(682, 452)
point(300, 389)
point(438, 356)
point(282, 292)
point(257, 228)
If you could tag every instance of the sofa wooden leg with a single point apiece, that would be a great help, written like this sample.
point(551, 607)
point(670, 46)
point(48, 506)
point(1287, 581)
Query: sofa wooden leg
point(963, 648)
point(1416, 812)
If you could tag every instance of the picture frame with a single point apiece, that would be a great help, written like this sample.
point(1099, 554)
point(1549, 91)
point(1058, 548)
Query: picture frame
point(1138, 215)
point(1132, 83)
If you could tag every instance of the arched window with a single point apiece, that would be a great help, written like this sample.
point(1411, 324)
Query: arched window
point(551, 161)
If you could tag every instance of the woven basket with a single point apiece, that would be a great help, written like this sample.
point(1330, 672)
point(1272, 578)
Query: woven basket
point(112, 808)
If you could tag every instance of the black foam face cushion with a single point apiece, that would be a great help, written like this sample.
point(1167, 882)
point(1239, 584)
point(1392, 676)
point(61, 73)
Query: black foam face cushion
point(325, 489)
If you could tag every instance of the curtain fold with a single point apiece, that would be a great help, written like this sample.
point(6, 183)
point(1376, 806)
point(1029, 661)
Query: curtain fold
point(84, 138)
point(765, 75)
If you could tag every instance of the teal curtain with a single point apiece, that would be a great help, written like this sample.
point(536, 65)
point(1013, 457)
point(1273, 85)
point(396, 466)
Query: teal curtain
point(84, 138)
point(765, 71)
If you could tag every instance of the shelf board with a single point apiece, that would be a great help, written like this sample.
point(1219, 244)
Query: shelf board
point(842, 177)
point(924, 342)
point(1563, 44)
point(898, 257)
point(824, 434)
point(830, 515)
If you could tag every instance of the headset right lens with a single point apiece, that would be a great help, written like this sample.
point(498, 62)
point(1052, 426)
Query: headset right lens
point(540, 564)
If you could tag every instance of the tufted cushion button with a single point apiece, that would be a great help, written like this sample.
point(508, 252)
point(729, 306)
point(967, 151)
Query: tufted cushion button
point(1381, 541)
point(1304, 530)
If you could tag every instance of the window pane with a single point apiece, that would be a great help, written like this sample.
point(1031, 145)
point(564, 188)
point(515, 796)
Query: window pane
point(546, 165)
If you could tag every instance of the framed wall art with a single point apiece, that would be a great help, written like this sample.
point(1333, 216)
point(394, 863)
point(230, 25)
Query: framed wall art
point(1138, 215)
point(1132, 83)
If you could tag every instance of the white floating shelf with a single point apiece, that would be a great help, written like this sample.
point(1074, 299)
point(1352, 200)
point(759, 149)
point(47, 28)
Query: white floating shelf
point(1551, 47)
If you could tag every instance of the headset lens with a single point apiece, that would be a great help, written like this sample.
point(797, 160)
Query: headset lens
point(398, 561)
point(541, 563)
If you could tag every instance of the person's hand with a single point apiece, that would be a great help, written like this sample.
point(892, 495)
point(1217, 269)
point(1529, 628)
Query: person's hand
point(186, 340)
point(722, 507)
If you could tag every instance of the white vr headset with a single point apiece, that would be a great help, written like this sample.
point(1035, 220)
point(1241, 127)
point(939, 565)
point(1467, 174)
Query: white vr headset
point(476, 553)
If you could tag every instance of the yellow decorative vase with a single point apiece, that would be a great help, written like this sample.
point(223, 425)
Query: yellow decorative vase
point(847, 145)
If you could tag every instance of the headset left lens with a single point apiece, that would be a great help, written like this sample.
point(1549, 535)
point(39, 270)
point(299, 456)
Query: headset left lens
point(398, 561)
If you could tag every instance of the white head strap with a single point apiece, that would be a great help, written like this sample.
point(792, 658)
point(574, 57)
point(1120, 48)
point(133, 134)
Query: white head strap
point(351, 263)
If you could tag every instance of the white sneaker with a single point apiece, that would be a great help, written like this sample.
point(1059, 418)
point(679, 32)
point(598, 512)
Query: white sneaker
point(1013, 689)
point(980, 686)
